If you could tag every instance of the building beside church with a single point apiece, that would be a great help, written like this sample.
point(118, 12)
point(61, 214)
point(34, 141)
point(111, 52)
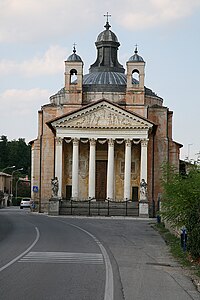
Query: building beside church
point(105, 135)
point(5, 188)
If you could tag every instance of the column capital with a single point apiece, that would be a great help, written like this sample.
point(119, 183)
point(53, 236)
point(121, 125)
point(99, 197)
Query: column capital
point(76, 141)
point(58, 140)
point(111, 142)
point(128, 142)
point(92, 142)
point(144, 143)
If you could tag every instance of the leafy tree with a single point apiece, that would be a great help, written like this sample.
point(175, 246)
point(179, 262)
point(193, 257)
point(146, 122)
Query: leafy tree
point(3, 152)
point(181, 203)
point(19, 154)
point(15, 153)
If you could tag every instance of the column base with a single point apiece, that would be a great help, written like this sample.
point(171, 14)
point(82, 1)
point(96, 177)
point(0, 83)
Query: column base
point(54, 205)
point(144, 209)
point(74, 199)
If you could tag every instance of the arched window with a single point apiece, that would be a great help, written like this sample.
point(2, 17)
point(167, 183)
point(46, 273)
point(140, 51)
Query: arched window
point(135, 77)
point(73, 76)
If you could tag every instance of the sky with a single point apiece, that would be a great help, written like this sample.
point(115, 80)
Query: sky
point(37, 36)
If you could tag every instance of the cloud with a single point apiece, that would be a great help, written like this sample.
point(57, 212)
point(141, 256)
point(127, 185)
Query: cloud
point(20, 112)
point(152, 13)
point(30, 20)
point(22, 102)
point(48, 64)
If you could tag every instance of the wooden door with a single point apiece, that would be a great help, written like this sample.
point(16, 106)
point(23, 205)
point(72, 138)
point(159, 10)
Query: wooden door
point(101, 179)
point(135, 193)
point(68, 192)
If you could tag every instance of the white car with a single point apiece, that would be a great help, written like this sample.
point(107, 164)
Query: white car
point(25, 202)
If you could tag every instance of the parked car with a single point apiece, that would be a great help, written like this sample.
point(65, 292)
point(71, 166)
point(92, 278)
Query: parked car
point(25, 202)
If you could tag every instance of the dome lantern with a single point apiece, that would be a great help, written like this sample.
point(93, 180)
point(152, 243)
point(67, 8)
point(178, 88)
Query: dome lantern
point(107, 52)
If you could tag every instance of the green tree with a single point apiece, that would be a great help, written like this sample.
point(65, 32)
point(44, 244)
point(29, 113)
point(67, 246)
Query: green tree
point(3, 152)
point(15, 153)
point(181, 203)
point(19, 154)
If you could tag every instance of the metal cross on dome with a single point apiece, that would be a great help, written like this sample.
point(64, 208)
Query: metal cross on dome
point(107, 15)
point(74, 49)
point(107, 26)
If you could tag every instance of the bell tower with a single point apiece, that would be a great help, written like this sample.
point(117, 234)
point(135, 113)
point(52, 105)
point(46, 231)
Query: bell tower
point(74, 77)
point(135, 89)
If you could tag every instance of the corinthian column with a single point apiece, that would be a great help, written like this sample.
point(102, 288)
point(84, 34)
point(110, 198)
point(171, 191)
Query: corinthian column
point(143, 205)
point(127, 171)
point(58, 164)
point(75, 167)
point(110, 170)
point(92, 161)
point(143, 163)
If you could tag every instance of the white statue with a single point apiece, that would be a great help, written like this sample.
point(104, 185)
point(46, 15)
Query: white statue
point(54, 187)
point(143, 190)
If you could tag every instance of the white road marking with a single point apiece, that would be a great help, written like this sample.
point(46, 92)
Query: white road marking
point(109, 285)
point(62, 257)
point(24, 253)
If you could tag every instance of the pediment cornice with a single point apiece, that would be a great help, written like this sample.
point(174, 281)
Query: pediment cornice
point(102, 115)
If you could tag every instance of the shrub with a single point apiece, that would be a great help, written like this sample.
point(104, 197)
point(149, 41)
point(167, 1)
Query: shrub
point(181, 203)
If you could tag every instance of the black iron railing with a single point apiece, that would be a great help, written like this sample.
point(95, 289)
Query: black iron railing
point(99, 208)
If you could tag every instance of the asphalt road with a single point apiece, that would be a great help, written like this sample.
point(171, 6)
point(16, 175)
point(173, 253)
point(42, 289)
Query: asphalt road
point(43, 257)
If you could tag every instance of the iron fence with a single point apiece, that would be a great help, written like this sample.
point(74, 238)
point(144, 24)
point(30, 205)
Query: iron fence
point(99, 208)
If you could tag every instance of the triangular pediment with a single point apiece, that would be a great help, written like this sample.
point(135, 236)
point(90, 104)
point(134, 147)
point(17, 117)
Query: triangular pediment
point(102, 115)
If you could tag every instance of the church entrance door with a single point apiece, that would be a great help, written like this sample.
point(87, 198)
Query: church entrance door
point(101, 179)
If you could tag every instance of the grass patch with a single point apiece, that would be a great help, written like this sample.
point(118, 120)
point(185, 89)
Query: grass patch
point(175, 248)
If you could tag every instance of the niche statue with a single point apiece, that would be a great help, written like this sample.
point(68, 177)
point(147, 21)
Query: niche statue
point(54, 187)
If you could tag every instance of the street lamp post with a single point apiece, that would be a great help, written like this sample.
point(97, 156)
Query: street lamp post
point(12, 181)
point(16, 188)
point(12, 167)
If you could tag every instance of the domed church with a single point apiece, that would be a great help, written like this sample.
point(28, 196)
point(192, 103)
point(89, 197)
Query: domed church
point(104, 135)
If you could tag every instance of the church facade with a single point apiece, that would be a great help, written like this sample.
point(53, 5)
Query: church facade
point(104, 136)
